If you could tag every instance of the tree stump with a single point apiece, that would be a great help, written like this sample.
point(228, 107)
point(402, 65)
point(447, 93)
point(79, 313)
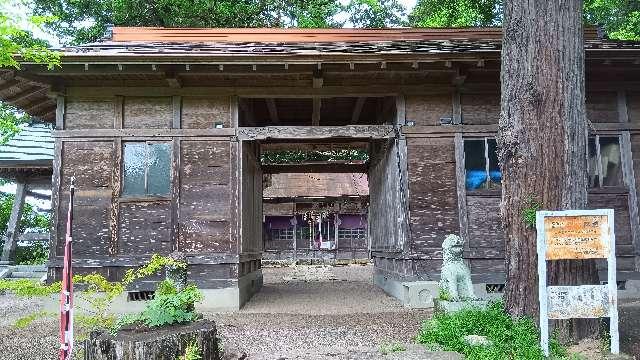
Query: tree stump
point(166, 343)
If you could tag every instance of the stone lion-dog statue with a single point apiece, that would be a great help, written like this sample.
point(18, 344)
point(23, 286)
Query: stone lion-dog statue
point(455, 277)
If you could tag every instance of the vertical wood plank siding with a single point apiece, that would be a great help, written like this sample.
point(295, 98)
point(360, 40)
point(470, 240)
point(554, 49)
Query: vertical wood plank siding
point(216, 182)
point(205, 196)
point(433, 188)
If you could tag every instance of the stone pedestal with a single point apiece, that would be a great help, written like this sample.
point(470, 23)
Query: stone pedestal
point(166, 343)
point(444, 306)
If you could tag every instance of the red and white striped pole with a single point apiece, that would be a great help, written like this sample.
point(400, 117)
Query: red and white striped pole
point(66, 294)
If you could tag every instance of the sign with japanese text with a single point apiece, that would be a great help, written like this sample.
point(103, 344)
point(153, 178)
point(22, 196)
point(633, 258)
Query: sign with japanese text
point(577, 235)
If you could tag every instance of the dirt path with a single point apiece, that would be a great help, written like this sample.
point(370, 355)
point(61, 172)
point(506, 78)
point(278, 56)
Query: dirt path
point(338, 309)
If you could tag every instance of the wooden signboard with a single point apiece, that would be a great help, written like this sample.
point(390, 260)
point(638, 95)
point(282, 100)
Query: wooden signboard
point(575, 235)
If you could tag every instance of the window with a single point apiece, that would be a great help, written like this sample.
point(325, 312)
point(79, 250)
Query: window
point(347, 234)
point(604, 165)
point(481, 164)
point(147, 169)
point(282, 234)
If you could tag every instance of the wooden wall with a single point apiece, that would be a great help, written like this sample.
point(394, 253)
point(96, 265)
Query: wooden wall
point(440, 203)
point(213, 210)
point(113, 231)
point(251, 198)
point(385, 198)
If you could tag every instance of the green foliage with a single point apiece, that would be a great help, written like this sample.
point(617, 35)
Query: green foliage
point(456, 13)
point(529, 212)
point(375, 13)
point(96, 297)
point(308, 14)
point(192, 352)
point(15, 40)
point(168, 307)
point(620, 18)
point(511, 339)
point(82, 21)
point(29, 288)
point(443, 294)
point(298, 156)
point(34, 254)
point(154, 265)
point(26, 320)
point(30, 218)
point(389, 348)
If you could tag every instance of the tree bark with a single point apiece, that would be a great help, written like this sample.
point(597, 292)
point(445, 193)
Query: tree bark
point(542, 139)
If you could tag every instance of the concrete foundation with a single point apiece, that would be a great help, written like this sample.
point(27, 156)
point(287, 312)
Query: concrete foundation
point(215, 300)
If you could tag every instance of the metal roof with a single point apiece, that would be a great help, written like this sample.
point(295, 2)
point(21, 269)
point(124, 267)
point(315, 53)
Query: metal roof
point(189, 42)
point(32, 147)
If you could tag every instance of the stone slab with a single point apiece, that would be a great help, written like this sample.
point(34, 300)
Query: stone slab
point(443, 306)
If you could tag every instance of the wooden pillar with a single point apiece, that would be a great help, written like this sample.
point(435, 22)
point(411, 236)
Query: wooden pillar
point(11, 236)
point(294, 221)
point(336, 223)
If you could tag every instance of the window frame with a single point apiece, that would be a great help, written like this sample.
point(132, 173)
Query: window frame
point(146, 195)
point(486, 188)
point(599, 169)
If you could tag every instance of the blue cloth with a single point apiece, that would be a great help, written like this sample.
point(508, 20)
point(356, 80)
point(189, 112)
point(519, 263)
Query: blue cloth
point(475, 178)
point(495, 175)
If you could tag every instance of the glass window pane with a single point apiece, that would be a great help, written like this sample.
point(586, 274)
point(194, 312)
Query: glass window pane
point(594, 179)
point(474, 164)
point(611, 165)
point(134, 166)
point(494, 168)
point(159, 169)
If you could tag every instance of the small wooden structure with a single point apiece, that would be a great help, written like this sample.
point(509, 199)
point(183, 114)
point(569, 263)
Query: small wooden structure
point(27, 159)
point(315, 217)
point(163, 130)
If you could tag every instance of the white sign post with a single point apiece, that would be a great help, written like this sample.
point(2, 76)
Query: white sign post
point(577, 234)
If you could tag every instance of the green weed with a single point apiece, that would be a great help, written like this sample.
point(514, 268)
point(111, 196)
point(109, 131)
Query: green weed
point(510, 339)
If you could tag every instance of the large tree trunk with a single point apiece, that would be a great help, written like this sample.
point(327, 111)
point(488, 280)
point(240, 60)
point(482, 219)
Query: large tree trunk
point(542, 140)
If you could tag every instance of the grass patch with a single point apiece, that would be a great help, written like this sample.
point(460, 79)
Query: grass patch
point(510, 339)
point(389, 348)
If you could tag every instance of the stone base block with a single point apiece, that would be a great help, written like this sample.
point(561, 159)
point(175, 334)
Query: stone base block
point(157, 343)
point(443, 306)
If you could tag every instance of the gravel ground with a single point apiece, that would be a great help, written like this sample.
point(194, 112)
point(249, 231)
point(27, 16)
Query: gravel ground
point(336, 314)
point(337, 311)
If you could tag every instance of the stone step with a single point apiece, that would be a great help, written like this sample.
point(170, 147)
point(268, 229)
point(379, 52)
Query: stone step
point(26, 275)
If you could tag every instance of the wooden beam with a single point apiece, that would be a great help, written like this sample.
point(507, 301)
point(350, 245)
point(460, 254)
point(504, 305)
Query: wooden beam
point(27, 94)
point(457, 107)
point(315, 116)
point(628, 174)
point(177, 112)
point(401, 111)
point(316, 132)
point(60, 110)
point(319, 167)
point(234, 105)
point(10, 84)
point(318, 77)
point(37, 106)
point(623, 112)
point(118, 112)
point(461, 189)
point(273, 111)
point(116, 189)
point(34, 237)
point(11, 235)
point(39, 196)
point(148, 133)
point(357, 110)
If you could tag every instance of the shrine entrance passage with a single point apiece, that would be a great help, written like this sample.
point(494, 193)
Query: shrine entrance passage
point(384, 168)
